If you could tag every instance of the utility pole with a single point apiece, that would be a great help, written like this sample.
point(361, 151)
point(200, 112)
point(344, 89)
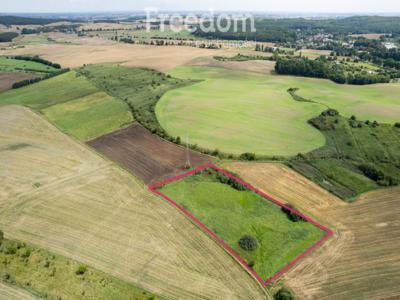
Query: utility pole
point(188, 164)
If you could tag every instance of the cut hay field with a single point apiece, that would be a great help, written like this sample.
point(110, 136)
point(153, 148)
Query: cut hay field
point(232, 214)
point(76, 204)
point(95, 50)
point(50, 276)
point(74, 104)
point(361, 261)
point(8, 292)
point(240, 112)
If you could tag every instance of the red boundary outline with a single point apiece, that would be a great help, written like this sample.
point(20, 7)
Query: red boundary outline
point(329, 232)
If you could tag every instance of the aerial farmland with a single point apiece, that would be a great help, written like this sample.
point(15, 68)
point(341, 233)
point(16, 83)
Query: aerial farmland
point(143, 156)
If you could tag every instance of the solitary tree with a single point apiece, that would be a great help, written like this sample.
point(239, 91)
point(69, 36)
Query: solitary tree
point(284, 294)
point(248, 243)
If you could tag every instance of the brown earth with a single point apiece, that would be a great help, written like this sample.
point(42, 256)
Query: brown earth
point(60, 195)
point(361, 260)
point(146, 155)
point(7, 79)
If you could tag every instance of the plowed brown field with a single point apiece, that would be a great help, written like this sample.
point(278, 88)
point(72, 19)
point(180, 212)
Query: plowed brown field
point(7, 79)
point(147, 156)
point(362, 260)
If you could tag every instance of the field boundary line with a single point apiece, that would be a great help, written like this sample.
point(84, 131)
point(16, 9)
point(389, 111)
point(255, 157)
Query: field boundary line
point(153, 189)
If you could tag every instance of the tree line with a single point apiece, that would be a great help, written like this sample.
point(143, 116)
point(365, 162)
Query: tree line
point(7, 36)
point(289, 30)
point(26, 82)
point(323, 68)
point(38, 60)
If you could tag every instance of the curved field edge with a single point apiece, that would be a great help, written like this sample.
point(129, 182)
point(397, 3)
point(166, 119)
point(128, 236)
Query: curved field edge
point(365, 240)
point(57, 204)
point(236, 112)
point(248, 112)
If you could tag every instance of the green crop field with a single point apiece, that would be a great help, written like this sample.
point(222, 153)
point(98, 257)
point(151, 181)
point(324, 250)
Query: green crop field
point(74, 104)
point(232, 214)
point(238, 112)
point(56, 90)
point(91, 116)
point(12, 65)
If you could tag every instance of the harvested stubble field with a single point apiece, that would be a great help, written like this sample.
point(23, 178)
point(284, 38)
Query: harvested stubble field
point(146, 155)
point(256, 66)
point(361, 261)
point(13, 293)
point(74, 203)
point(94, 50)
point(7, 79)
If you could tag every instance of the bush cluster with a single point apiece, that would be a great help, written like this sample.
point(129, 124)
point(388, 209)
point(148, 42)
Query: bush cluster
point(38, 60)
point(222, 178)
point(370, 171)
point(284, 294)
point(292, 215)
point(323, 68)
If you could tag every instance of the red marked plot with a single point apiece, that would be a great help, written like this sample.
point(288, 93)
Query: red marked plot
point(328, 232)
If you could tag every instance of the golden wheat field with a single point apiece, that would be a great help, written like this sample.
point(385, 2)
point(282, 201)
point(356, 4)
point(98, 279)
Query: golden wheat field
point(77, 204)
point(82, 51)
point(347, 266)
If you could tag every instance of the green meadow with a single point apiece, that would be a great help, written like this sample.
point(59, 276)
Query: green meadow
point(232, 214)
point(74, 104)
point(89, 117)
point(237, 112)
point(12, 65)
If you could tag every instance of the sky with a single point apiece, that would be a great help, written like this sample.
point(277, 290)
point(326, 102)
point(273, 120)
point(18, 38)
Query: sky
point(303, 6)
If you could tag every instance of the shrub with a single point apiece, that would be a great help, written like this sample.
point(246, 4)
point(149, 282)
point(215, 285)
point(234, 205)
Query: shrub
point(11, 249)
point(25, 253)
point(247, 156)
point(284, 294)
point(81, 270)
point(330, 112)
point(371, 172)
point(1, 236)
point(397, 124)
point(248, 243)
point(291, 215)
